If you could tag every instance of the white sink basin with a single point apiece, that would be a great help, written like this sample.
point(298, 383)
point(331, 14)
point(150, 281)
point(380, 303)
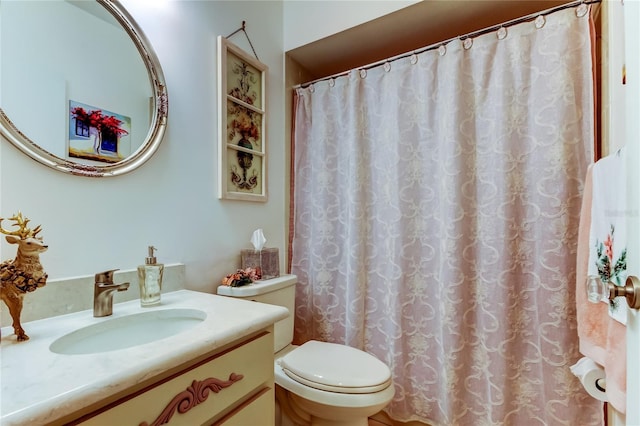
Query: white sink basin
point(125, 332)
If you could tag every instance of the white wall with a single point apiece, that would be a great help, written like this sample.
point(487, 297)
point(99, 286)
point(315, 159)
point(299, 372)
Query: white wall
point(307, 21)
point(171, 202)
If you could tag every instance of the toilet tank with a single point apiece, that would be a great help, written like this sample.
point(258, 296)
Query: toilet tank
point(279, 291)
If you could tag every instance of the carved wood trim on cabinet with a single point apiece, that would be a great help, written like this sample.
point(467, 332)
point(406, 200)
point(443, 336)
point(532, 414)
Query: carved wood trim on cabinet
point(195, 394)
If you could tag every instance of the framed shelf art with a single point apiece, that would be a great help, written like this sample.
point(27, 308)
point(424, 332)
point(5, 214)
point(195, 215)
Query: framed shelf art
point(242, 145)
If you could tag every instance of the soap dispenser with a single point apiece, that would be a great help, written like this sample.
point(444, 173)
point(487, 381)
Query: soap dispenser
point(150, 280)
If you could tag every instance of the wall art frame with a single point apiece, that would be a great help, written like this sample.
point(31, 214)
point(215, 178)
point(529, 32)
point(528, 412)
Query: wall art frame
point(242, 142)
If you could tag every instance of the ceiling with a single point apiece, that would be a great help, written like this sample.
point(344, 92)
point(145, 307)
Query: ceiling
point(422, 24)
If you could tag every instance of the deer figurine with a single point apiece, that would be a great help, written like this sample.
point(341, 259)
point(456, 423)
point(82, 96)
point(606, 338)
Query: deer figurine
point(24, 273)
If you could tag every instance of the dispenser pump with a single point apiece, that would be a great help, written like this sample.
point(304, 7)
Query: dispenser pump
point(151, 259)
point(150, 280)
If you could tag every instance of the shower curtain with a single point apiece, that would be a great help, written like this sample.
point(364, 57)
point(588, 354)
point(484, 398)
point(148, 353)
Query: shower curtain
point(436, 202)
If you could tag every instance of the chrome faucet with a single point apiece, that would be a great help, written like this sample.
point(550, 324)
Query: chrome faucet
point(103, 289)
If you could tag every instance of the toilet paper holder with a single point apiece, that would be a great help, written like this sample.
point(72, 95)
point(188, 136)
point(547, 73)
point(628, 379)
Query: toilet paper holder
point(597, 290)
point(592, 377)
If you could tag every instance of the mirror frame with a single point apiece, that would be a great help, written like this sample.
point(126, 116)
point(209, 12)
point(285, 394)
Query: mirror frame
point(158, 120)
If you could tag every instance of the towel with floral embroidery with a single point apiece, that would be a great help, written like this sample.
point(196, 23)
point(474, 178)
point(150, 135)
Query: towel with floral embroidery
point(607, 235)
point(602, 252)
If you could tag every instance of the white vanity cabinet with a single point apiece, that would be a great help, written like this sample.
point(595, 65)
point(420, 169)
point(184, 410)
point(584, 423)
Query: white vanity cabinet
point(231, 386)
point(217, 371)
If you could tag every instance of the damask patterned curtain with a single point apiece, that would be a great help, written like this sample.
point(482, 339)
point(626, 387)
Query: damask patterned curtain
point(437, 203)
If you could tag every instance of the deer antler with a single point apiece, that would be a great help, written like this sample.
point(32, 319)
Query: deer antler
point(23, 232)
point(35, 232)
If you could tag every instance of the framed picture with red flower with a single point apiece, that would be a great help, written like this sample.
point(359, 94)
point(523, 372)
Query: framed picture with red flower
point(97, 134)
point(242, 145)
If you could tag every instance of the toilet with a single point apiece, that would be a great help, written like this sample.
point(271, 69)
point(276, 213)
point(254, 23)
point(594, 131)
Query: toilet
point(318, 383)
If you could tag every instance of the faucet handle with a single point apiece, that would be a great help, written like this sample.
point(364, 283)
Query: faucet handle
point(123, 287)
point(105, 277)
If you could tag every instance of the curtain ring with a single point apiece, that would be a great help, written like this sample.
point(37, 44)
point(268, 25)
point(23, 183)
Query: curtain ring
point(363, 73)
point(332, 82)
point(312, 88)
point(502, 33)
point(582, 10)
point(387, 66)
point(467, 43)
point(540, 21)
point(442, 50)
point(414, 59)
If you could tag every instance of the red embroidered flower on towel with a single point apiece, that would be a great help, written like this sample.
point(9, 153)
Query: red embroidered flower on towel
point(608, 244)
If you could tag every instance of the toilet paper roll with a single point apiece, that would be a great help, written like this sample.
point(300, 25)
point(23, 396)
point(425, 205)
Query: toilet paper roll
point(592, 377)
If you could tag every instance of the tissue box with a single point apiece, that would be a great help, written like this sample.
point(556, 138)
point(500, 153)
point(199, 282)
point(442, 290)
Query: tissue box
point(267, 260)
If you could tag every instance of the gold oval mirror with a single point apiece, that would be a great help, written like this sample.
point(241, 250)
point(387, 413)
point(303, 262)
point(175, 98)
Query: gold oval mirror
point(81, 89)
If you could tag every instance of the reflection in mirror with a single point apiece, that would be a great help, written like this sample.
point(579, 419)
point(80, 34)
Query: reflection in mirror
point(81, 88)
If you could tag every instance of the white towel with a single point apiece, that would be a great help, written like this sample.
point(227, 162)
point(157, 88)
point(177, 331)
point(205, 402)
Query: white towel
point(607, 237)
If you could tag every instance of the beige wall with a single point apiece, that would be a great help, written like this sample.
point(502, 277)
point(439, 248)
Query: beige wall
point(309, 20)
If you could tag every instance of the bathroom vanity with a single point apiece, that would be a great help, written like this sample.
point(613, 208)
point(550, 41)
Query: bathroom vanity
point(218, 370)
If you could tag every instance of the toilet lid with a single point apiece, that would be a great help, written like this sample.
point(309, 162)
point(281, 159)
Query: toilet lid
point(336, 368)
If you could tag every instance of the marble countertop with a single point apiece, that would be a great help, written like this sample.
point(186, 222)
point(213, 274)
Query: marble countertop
point(39, 386)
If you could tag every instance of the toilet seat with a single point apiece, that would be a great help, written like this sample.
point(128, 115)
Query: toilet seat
point(336, 368)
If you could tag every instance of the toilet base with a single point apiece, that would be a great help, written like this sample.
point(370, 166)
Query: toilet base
point(287, 414)
point(294, 410)
point(325, 415)
point(352, 422)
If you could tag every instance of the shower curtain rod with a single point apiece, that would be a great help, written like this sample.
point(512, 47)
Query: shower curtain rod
point(462, 37)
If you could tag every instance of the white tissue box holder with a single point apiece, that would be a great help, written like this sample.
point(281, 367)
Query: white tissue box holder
point(266, 260)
